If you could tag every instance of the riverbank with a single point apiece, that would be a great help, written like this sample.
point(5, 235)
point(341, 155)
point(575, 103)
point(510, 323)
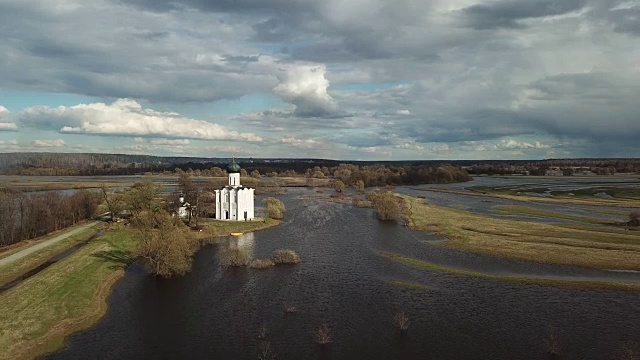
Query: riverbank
point(527, 280)
point(66, 297)
point(592, 201)
point(37, 315)
point(13, 270)
point(584, 246)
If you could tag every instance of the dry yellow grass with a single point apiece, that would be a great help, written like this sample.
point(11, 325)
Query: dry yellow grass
point(550, 200)
point(579, 246)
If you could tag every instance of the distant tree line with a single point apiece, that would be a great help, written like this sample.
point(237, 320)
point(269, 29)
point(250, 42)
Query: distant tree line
point(27, 216)
point(567, 167)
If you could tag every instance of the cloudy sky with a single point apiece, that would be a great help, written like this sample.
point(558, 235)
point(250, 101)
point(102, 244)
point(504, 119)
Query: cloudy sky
point(341, 79)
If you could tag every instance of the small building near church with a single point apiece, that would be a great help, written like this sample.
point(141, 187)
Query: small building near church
point(234, 202)
point(183, 209)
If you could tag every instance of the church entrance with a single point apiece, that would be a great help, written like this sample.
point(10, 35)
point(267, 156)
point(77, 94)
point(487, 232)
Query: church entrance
point(245, 216)
point(226, 215)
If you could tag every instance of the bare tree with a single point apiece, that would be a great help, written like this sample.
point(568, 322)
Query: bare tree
point(553, 342)
point(113, 201)
point(401, 320)
point(164, 247)
point(274, 208)
point(323, 334)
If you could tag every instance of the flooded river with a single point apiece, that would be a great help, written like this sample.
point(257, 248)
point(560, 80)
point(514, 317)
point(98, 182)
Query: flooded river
point(343, 281)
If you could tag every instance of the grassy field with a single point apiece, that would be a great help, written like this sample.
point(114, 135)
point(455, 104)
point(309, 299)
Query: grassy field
point(62, 185)
point(70, 295)
point(491, 192)
point(515, 279)
point(557, 244)
point(19, 267)
point(12, 249)
point(217, 228)
point(509, 209)
point(36, 315)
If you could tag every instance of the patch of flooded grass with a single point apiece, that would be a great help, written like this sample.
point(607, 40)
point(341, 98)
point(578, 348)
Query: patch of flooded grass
point(532, 241)
point(582, 284)
point(506, 209)
point(407, 284)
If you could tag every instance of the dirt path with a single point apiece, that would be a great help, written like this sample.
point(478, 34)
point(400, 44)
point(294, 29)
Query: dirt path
point(20, 254)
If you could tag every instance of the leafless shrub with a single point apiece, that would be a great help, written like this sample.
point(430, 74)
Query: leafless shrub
point(285, 256)
point(274, 208)
point(629, 353)
point(265, 352)
point(553, 342)
point(290, 309)
point(261, 263)
point(401, 320)
point(634, 219)
point(234, 257)
point(323, 334)
point(263, 332)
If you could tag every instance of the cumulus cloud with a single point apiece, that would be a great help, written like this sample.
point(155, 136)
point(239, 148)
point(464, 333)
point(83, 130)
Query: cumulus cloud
point(126, 117)
point(512, 144)
point(49, 143)
point(302, 143)
point(5, 125)
point(8, 126)
point(404, 72)
point(503, 145)
point(305, 86)
point(170, 142)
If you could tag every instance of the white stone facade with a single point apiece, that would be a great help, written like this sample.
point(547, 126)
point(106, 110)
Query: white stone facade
point(235, 202)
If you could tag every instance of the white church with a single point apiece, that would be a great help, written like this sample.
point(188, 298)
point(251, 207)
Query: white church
point(234, 202)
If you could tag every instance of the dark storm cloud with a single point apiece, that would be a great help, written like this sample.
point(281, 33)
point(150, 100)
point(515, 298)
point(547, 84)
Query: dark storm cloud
point(626, 20)
point(230, 6)
point(506, 14)
point(363, 74)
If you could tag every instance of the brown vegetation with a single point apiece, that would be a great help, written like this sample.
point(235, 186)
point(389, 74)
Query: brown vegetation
point(385, 204)
point(634, 219)
point(274, 208)
point(164, 246)
point(323, 334)
point(24, 217)
point(282, 256)
point(234, 257)
point(263, 332)
point(553, 342)
point(265, 352)
point(578, 245)
point(261, 263)
point(401, 321)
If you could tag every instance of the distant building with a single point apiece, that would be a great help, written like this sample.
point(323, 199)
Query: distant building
point(234, 201)
point(184, 209)
point(554, 171)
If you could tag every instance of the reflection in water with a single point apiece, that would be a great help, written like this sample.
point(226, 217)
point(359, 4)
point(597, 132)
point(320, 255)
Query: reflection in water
point(237, 250)
point(245, 242)
point(215, 312)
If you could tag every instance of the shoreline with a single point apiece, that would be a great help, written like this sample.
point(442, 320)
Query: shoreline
point(93, 266)
point(508, 239)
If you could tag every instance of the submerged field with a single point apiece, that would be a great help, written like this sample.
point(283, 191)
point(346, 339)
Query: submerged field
point(551, 243)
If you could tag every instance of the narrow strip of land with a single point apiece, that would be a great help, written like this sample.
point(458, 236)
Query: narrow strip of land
point(30, 250)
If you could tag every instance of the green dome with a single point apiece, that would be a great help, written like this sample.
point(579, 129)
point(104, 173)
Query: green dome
point(233, 167)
